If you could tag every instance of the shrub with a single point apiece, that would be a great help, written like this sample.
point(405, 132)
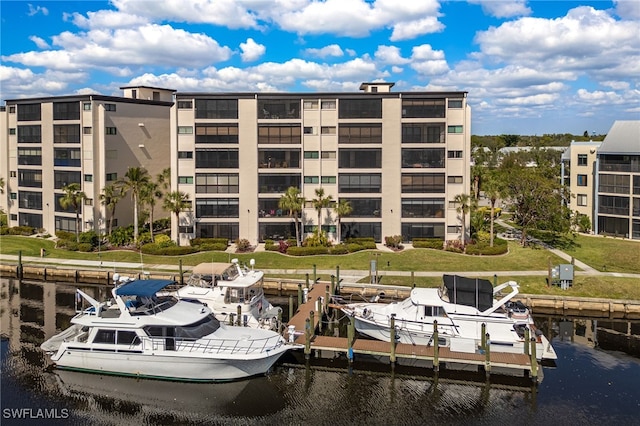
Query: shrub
point(307, 251)
point(121, 236)
point(163, 240)
point(22, 230)
point(454, 246)
point(70, 245)
point(339, 249)
point(4, 230)
point(354, 247)
point(315, 240)
point(89, 237)
point(394, 241)
point(364, 242)
point(242, 245)
point(85, 247)
point(432, 243)
point(269, 245)
point(486, 250)
point(199, 241)
point(211, 247)
point(153, 248)
point(65, 235)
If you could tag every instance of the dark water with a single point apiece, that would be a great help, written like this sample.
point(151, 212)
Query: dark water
point(596, 381)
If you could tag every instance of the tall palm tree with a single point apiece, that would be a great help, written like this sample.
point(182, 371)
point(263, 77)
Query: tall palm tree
point(110, 196)
point(342, 209)
point(176, 202)
point(293, 201)
point(73, 198)
point(491, 188)
point(148, 196)
point(134, 181)
point(164, 180)
point(321, 202)
point(464, 207)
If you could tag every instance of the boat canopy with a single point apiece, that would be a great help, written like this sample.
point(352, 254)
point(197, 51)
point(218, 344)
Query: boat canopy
point(143, 288)
point(474, 292)
point(214, 268)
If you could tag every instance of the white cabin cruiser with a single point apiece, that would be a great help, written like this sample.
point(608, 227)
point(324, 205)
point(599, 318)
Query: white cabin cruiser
point(137, 333)
point(460, 307)
point(225, 286)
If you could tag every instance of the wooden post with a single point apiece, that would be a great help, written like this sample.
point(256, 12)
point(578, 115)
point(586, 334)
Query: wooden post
point(312, 321)
point(351, 333)
point(307, 339)
point(495, 280)
point(239, 310)
point(307, 279)
point(231, 318)
point(290, 306)
point(326, 298)
point(299, 295)
point(181, 274)
point(319, 309)
point(487, 352)
point(279, 324)
point(44, 274)
point(526, 341)
point(436, 347)
point(534, 360)
point(314, 274)
point(333, 285)
point(337, 288)
point(20, 270)
point(483, 339)
point(392, 335)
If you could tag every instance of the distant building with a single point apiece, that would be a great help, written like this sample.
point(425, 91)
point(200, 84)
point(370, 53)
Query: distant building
point(617, 211)
point(579, 174)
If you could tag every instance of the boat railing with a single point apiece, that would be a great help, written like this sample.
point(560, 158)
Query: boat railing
point(227, 346)
point(401, 323)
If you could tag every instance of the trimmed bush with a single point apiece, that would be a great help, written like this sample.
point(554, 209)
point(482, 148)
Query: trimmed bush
point(201, 241)
point(85, 247)
point(210, 247)
point(153, 248)
point(354, 247)
point(4, 230)
point(242, 245)
point(486, 250)
point(269, 245)
point(339, 249)
point(394, 241)
point(432, 243)
point(22, 230)
point(307, 251)
point(65, 235)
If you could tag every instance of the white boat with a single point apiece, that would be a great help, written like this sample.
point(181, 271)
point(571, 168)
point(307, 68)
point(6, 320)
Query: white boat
point(224, 287)
point(459, 307)
point(137, 333)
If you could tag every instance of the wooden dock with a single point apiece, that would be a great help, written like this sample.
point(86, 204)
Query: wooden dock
point(305, 334)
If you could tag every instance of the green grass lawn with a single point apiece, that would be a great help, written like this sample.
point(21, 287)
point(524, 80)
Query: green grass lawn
point(607, 254)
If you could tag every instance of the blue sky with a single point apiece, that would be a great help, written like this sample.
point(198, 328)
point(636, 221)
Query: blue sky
point(530, 67)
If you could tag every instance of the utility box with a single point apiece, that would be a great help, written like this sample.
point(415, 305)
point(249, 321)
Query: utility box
point(562, 276)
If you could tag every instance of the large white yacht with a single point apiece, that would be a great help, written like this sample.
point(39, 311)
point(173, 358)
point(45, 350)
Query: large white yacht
point(460, 307)
point(226, 286)
point(138, 333)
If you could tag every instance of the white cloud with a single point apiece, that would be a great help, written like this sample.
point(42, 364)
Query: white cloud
point(598, 97)
point(20, 82)
point(629, 9)
point(503, 8)
point(413, 29)
point(390, 55)
point(330, 50)
point(36, 10)
point(39, 42)
point(251, 50)
point(106, 19)
point(397, 70)
point(428, 62)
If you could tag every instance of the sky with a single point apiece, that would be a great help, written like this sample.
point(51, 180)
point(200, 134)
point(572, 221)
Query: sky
point(529, 67)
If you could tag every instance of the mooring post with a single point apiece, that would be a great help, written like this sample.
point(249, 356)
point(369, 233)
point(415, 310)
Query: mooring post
point(290, 306)
point(181, 273)
point(299, 295)
point(392, 338)
point(44, 274)
point(314, 274)
point(319, 309)
point(436, 347)
point(483, 338)
point(495, 280)
point(231, 318)
point(239, 310)
point(307, 338)
point(333, 285)
point(337, 288)
point(526, 341)
point(534, 360)
point(19, 271)
point(351, 333)
point(326, 298)
point(312, 321)
point(487, 352)
point(307, 280)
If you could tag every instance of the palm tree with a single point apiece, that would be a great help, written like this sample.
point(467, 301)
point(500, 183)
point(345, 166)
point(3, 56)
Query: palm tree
point(73, 198)
point(164, 180)
point(110, 196)
point(319, 203)
point(148, 195)
point(342, 209)
point(134, 180)
point(293, 201)
point(175, 202)
point(464, 206)
point(491, 188)
point(1, 185)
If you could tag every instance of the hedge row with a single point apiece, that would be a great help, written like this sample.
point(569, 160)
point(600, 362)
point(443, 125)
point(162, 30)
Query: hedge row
point(17, 230)
point(152, 248)
point(482, 249)
point(432, 243)
point(200, 241)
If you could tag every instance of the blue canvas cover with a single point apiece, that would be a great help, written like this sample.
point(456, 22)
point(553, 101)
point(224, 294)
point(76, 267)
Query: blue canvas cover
point(143, 288)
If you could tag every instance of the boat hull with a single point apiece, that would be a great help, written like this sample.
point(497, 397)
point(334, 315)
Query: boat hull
point(168, 366)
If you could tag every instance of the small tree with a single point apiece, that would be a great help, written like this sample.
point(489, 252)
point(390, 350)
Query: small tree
point(134, 181)
point(463, 202)
point(321, 202)
point(148, 196)
point(73, 198)
point(293, 201)
point(343, 208)
point(176, 202)
point(110, 196)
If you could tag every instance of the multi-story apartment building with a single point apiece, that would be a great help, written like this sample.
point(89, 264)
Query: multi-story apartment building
point(399, 158)
point(48, 143)
point(578, 172)
point(618, 182)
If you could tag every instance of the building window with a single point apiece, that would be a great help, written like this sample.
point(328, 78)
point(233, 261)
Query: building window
point(360, 133)
point(86, 106)
point(360, 182)
point(308, 104)
point(30, 134)
point(185, 155)
point(217, 183)
point(30, 200)
point(360, 108)
point(109, 107)
point(12, 109)
point(30, 178)
point(280, 134)
point(454, 129)
point(185, 179)
point(12, 131)
point(66, 157)
point(311, 154)
point(13, 216)
point(31, 219)
point(29, 112)
point(217, 159)
point(424, 182)
point(455, 103)
point(423, 133)
point(88, 201)
point(87, 130)
point(582, 199)
point(413, 230)
point(279, 108)
point(454, 179)
point(423, 108)
point(110, 131)
point(454, 154)
point(13, 174)
point(185, 229)
point(279, 158)
point(328, 104)
point(423, 158)
point(185, 130)
point(364, 207)
point(29, 157)
point(328, 130)
point(582, 180)
point(582, 159)
point(454, 229)
point(185, 104)
point(88, 178)
point(327, 155)
point(63, 178)
point(226, 230)
point(613, 205)
point(328, 179)
point(66, 133)
point(423, 207)
point(309, 131)
point(636, 185)
point(217, 108)
point(112, 176)
point(616, 184)
point(360, 158)
point(277, 183)
point(14, 195)
point(311, 179)
point(66, 110)
point(216, 133)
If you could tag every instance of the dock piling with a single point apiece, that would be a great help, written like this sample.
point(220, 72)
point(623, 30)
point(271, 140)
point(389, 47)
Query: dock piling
point(290, 306)
point(299, 295)
point(392, 338)
point(526, 341)
point(487, 352)
point(534, 360)
point(307, 339)
point(436, 346)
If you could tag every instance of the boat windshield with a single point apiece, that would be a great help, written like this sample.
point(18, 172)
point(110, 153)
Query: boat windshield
point(202, 328)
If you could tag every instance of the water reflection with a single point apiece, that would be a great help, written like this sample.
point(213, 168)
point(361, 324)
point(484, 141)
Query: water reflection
point(594, 381)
